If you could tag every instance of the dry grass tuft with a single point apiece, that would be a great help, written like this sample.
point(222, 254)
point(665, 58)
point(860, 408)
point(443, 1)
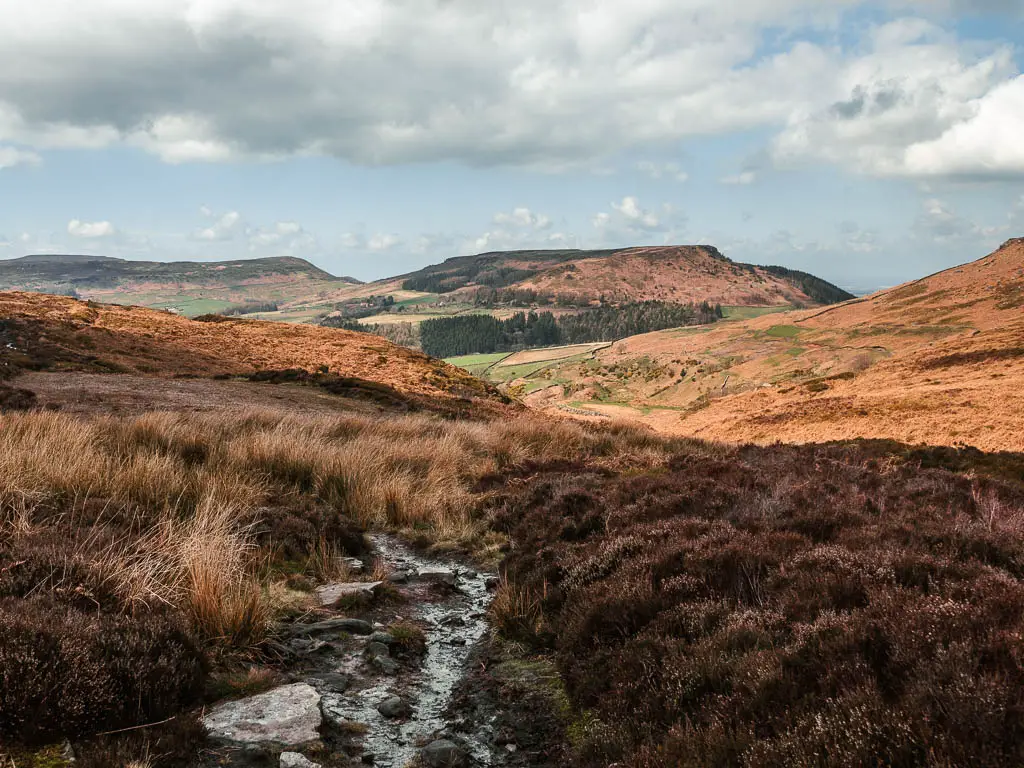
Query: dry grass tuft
point(208, 518)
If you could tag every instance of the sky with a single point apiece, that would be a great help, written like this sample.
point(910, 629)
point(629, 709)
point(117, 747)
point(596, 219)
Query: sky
point(866, 142)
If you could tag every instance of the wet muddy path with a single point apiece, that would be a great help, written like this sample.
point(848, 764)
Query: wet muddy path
point(372, 685)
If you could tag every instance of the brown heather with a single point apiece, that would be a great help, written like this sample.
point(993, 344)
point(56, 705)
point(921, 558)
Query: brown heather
point(845, 605)
point(135, 550)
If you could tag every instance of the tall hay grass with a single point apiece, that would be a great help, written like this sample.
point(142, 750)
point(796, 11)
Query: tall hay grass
point(185, 492)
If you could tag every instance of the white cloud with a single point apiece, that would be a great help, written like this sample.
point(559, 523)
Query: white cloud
point(285, 238)
point(353, 241)
point(743, 179)
point(543, 84)
point(988, 143)
point(91, 229)
point(883, 110)
point(523, 217)
point(635, 216)
point(630, 223)
point(224, 228)
point(538, 83)
point(518, 229)
point(12, 156)
point(383, 242)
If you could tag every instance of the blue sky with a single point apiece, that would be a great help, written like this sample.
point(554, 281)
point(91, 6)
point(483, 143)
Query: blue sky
point(868, 142)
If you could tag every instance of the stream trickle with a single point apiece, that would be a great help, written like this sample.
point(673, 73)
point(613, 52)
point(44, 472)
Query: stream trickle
point(453, 623)
point(349, 672)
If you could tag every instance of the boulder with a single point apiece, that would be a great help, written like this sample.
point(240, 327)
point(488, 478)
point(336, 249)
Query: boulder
point(295, 760)
point(373, 650)
point(382, 637)
point(332, 682)
point(351, 626)
point(385, 665)
point(398, 577)
point(286, 715)
point(331, 594)
point(443, 754)
point(394, 707)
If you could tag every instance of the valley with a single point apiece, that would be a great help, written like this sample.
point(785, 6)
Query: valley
point(308, 545)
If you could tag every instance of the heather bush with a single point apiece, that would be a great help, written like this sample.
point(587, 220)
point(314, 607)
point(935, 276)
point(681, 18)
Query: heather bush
point(781, 606)
point(68, 672)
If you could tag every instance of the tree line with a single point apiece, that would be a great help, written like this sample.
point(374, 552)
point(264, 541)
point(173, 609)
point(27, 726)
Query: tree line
point(483, 334)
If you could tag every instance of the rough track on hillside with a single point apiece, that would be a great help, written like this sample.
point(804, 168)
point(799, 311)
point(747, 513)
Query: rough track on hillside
point(353, 697)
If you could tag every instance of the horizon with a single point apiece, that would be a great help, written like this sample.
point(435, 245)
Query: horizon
point(866, 142)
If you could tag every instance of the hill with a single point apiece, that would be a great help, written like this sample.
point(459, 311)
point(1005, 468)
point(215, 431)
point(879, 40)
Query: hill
point(55, 333)
point(191, 288)
point(680, 274)
point(937, 360)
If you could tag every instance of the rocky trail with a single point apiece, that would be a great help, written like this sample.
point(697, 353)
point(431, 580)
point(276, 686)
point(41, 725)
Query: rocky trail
point(374, 690)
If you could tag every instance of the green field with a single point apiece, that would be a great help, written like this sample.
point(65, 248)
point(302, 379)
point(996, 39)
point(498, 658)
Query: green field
point(478, 364)
point(784, 331)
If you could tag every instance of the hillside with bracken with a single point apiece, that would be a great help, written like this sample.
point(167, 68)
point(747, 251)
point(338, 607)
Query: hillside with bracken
point(41, 332)
point(937, 360)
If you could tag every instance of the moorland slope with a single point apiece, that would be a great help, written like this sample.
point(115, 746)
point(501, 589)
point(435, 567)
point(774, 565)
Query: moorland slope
point(937, 360)
point(42, 332)
point(680, 274)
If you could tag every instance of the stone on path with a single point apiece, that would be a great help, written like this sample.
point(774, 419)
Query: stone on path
point(330, 594)
point(295, 760)
point(443, 754)
point(373, 650)
point(334, 682)
point(287, 715)
point(385, 665)
point(354, 564)
point(352, 626)
point(394, 707)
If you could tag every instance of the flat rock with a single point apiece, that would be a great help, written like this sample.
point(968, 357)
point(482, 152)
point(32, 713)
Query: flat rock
point(330, 594)
point(295, 760)
point(443, 754)
point(398, 577)
point(352, 626)
point(286, 715)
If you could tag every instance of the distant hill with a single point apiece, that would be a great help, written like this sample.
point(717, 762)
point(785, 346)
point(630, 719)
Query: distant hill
point(937, 360)
point(293, 290)
point(191, 288)
point(679, 274)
